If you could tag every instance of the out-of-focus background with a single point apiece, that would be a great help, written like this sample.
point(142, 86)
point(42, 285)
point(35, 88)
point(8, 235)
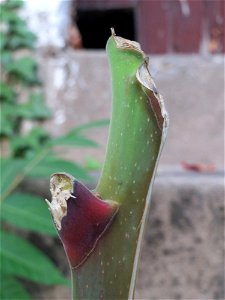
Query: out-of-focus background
point(63, 83)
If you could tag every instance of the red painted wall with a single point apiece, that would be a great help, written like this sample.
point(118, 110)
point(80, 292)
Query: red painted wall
point(173, 26)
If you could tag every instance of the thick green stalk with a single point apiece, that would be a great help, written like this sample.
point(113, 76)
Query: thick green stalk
point(137, 133)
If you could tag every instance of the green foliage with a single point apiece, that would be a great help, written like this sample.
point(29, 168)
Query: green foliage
point(23, 69)
point(31, 155)
point(11, 169)
point(51, 164)
point(11, 287)
point(94, 124)
point(20, 258)
point(35, 217)
point(34, 109)
point(92, 164)
point(75, 137)
point(29, 143)
point(7, 94)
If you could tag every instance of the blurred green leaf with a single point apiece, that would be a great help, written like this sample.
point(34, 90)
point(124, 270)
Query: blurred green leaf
point(31, 142)
point(10, 168)
point(9, 4)
point(92, 164)
point(27, 212)
point(7, 15)
point(20, 28)
point(50, 165)
point(8, 120)
point(73, 139)
point(7, 94)
point(6, 59)
point(11, 289)
point(19, 36)
point(3, 40)
point(20, 258)
point(93, 124)
point(13, 171)
point(16, 42)
point(35, 108)
point(23, 68)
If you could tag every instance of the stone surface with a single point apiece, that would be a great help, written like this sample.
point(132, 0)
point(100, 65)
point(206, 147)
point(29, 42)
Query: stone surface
point(183, 252)
point(77, 86)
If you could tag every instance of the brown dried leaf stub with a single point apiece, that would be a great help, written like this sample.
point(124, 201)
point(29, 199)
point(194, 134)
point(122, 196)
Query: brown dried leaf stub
point(122, 43)
point(61, 187)
point(156, 101)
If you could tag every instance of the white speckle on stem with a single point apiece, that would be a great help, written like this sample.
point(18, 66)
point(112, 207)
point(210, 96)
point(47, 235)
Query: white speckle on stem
point(127, 236)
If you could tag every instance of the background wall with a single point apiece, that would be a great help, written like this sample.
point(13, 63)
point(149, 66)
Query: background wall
point(161, 26)
point(183, 253)
point(177, 26)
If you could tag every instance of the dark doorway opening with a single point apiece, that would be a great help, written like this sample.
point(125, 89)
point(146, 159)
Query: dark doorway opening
point(95, 24)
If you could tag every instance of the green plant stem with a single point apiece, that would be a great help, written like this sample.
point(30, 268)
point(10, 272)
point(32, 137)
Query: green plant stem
point(134, 145)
